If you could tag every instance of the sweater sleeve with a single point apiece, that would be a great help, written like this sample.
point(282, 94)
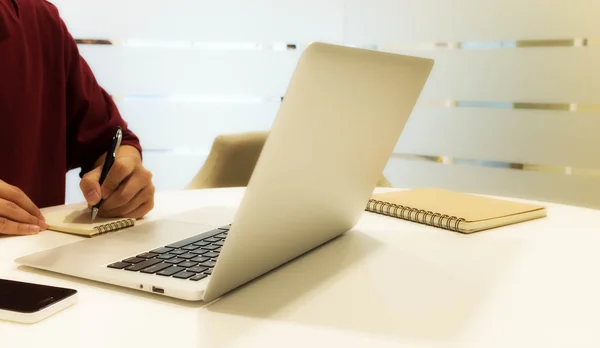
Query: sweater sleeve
point(92, 115)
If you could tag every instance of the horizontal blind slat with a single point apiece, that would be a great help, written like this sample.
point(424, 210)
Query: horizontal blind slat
point(155, 71)
point(551, 75)
point(514, 136)
point(582, 191)
point(560, 75)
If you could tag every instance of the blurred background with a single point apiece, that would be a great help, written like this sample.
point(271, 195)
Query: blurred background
point(512, 107)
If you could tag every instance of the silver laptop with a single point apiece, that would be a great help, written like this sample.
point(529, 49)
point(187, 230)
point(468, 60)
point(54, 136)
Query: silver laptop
point(337, 126)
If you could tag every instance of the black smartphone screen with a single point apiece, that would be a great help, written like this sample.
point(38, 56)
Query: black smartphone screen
point(29, 298)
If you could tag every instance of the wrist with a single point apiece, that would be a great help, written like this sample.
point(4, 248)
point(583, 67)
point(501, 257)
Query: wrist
point(130, 151)
point(124, 151)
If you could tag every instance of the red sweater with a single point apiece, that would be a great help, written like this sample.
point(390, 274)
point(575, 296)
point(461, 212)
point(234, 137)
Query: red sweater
point(53, 114)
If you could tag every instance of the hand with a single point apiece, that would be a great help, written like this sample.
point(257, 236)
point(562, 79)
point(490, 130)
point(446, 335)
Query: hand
point(18, 214)
point(127, 190)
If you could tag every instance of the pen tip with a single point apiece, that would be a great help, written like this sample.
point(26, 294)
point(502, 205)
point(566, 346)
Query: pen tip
point(94, 213)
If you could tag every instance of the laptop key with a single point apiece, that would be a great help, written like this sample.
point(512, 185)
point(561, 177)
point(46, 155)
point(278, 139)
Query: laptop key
point(161, 250)
point(178, 252)
point(210, 247)
point(188, 256)
point(197, 269)
point(147, 255)
point(211, 254)
point(200, 259)
point(222, 235)
point(166, 256)
point(133, 260)
point(156, 268)
point(209, 272)
point(191, 247)
point(219, 243)
point(198, 277)
point(187, 264)
point(208, 264)
point(175, 260)
point(199, 252)
point(184, 275)
point(170, 271)
point(201, 244)
point(212, 239)
point(119, 265)
point(143, 264)
point(194, 239)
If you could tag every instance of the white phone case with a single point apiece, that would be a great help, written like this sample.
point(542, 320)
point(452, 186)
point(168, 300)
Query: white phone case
point(31, 318)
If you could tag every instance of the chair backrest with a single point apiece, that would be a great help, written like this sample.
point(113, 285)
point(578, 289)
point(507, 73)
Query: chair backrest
point(232, 159)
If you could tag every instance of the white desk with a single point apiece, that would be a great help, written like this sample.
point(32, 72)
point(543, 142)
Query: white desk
point(388, 283)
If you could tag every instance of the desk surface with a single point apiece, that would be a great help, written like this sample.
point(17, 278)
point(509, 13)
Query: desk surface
point(387, 283)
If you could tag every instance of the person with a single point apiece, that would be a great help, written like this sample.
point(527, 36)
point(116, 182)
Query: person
point(54, 117)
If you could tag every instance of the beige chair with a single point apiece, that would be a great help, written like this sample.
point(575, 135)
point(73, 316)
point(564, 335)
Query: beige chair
point(231, 161)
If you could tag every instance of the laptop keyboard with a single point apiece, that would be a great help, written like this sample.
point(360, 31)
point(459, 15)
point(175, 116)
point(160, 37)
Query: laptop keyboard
point(191, 259)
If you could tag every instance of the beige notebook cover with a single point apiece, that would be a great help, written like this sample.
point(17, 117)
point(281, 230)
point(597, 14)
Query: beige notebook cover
point(456, 211)
point(79, 222)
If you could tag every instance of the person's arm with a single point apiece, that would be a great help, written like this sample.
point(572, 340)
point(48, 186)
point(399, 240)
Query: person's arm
point(92, 118)
point(92, 115)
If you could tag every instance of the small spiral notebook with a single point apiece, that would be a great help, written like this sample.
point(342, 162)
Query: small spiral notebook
point(78, 222)
point(455, 211)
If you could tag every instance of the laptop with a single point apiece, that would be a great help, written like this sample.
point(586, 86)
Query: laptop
point(340, 120)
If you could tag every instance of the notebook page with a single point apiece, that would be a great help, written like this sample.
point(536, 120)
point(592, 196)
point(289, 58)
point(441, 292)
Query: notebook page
point(75, 221)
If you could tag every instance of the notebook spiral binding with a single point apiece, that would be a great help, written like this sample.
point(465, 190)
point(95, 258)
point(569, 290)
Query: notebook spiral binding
point(426, 217)
point(113, 226)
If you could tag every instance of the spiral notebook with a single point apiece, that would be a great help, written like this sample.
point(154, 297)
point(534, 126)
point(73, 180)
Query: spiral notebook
point(455, 211)
point(78, 222)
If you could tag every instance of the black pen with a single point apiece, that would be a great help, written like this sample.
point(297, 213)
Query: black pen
point(111, 154)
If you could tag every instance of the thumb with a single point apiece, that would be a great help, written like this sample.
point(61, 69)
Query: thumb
point(90, 186)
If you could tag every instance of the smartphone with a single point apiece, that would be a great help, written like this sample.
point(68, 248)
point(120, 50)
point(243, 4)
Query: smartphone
point(30, 303)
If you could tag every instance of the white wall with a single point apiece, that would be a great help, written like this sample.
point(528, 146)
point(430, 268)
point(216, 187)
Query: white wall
point(516, 83)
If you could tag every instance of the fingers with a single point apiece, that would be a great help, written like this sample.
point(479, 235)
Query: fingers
point(120, 170)
point(18, 214)
point(141, 211)
point(128, 189)
point(13, 212)
point(137, 207)
point(90, 186)
point(14, 194)
point(9, 227)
